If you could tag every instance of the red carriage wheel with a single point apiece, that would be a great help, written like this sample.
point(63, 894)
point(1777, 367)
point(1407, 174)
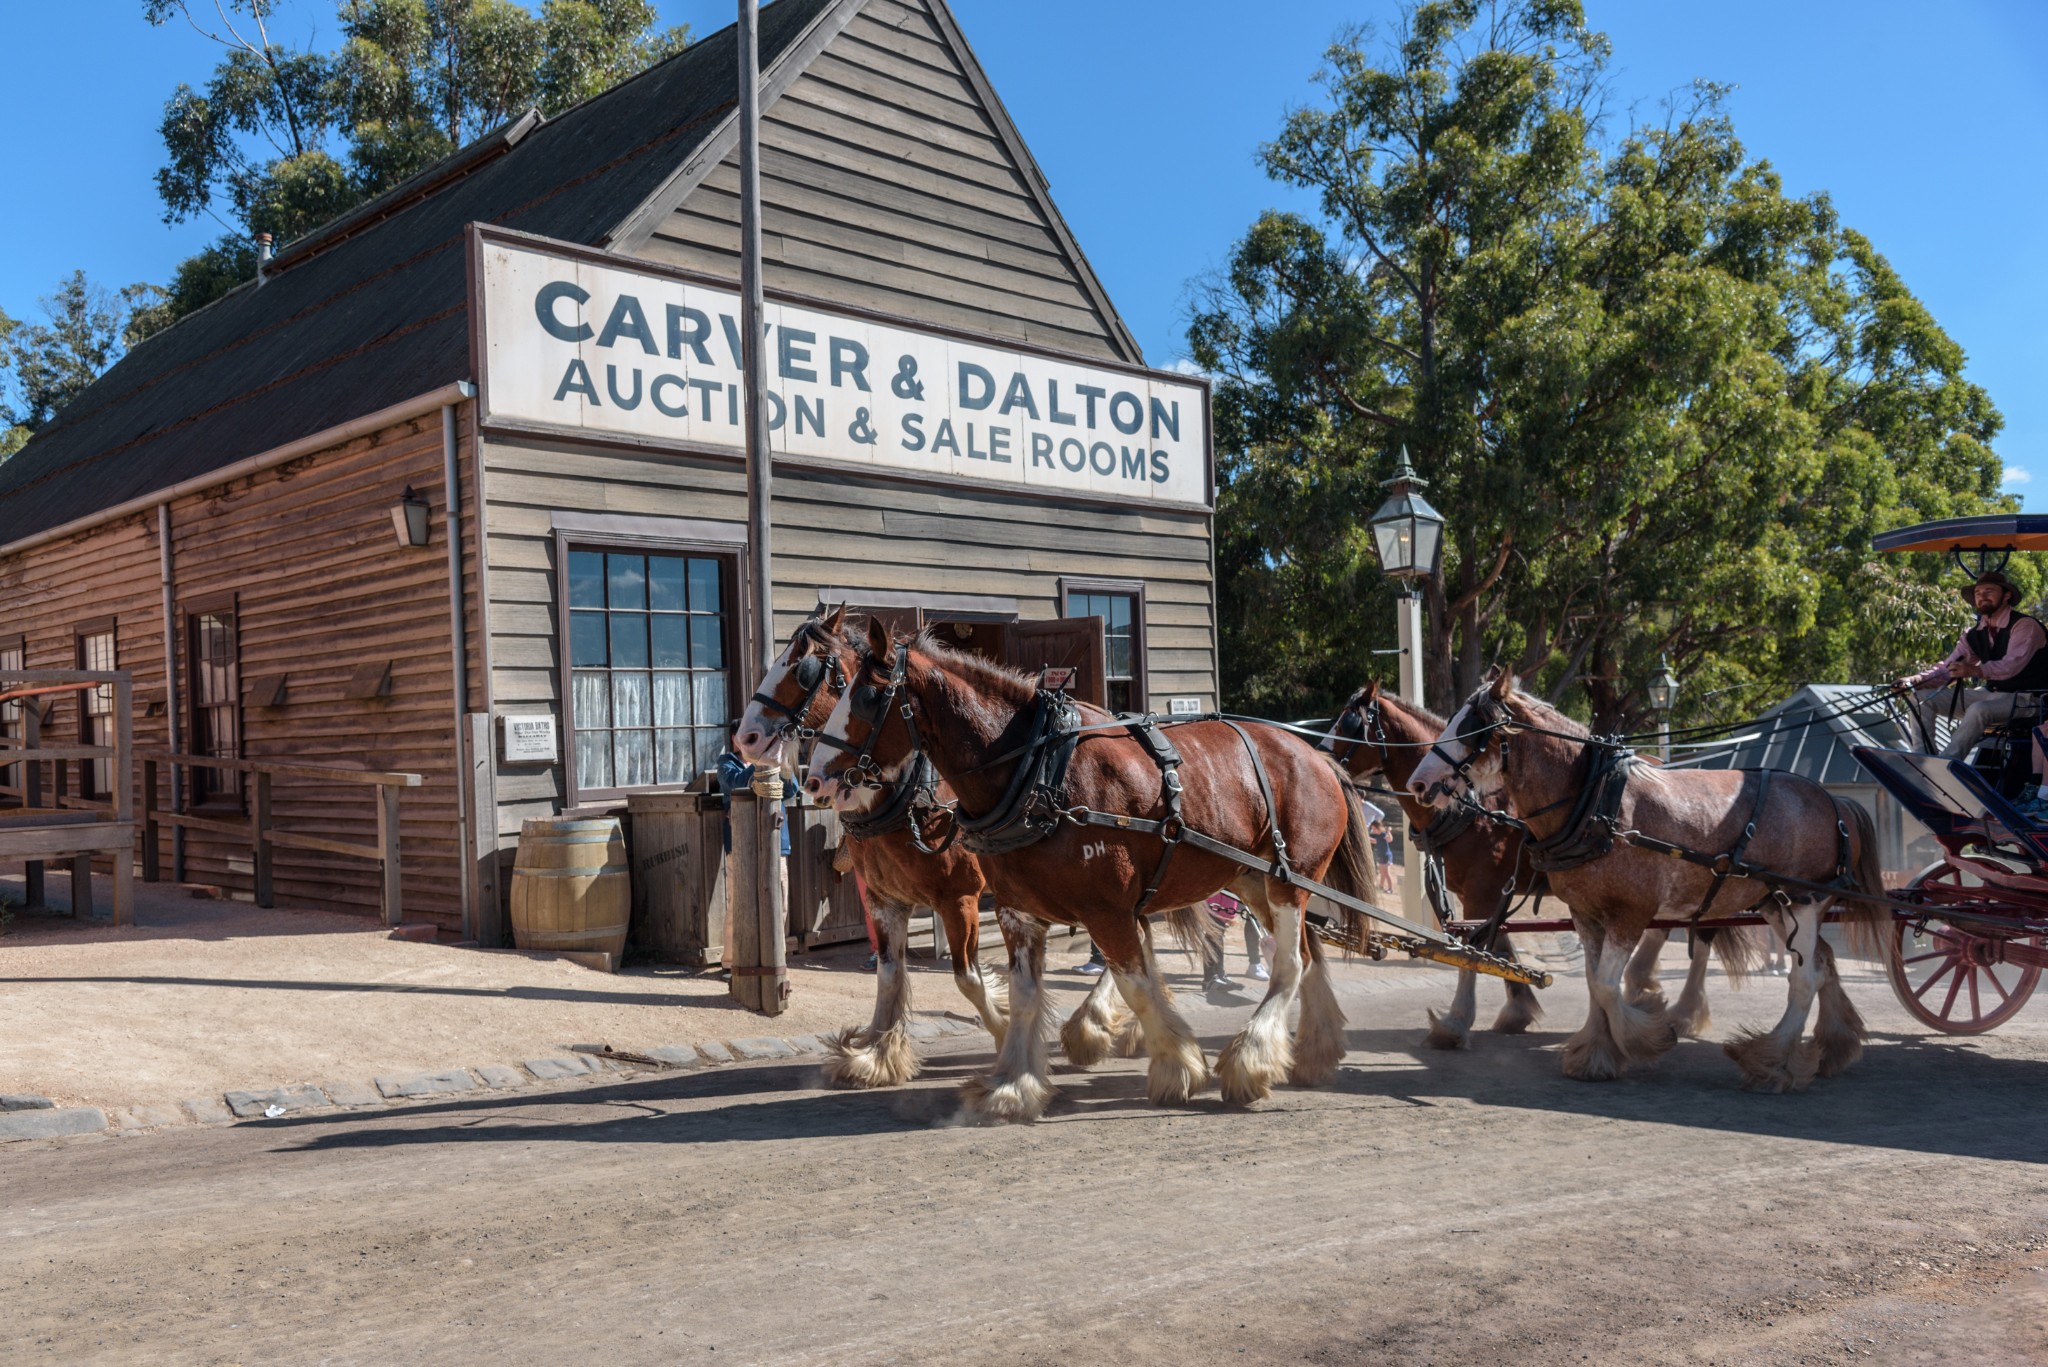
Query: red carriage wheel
point(1949, 977)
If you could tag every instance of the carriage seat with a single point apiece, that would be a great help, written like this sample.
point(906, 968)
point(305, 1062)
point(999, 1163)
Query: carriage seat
point(2005, 756)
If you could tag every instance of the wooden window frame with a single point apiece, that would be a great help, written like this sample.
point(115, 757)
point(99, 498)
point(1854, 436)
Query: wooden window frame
point(1134, 589)
point(232, 794)
point(739, 644)
point(88, 780)
point(10, 774)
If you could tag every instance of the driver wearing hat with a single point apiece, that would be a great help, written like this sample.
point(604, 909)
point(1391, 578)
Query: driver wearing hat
point(2002, 653)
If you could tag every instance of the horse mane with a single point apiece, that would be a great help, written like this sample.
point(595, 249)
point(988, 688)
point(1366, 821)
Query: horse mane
point(1416, 710)
point(976, 670)
point(1552, 719)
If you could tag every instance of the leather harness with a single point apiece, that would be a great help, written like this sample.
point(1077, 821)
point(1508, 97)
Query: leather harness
point(1594, 827)
point(1035, 802)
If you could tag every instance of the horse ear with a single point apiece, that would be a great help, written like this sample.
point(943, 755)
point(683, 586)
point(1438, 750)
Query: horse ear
point(878, 637)
point(1372, 690)
point(1503, 684)
point(835, 619)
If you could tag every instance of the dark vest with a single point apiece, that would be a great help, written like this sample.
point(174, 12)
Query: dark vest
point(1988, 644)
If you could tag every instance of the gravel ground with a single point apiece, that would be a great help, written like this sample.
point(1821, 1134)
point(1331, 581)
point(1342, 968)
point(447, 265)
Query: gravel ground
point(1474, 1207)
point(204, 996)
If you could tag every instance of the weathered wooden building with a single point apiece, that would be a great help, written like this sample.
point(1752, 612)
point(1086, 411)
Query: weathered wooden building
point(535, 340)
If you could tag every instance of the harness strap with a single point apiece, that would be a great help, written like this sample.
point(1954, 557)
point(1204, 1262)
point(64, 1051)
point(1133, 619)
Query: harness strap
point(1147, 826)
point(1594, 825)
point(911, 799)
point(1280, 868)
point(1147, 733)
point(1730, 860)
point(1442, 829)
point(1031, 805)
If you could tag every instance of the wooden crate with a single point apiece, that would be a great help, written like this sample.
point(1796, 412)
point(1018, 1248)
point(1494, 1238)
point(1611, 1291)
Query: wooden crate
point(677, 848)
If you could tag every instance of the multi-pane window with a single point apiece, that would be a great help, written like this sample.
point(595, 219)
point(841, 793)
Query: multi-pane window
point(1119, 643)
point(647, 656)
point(216, 702)
point(12, 725)
point(96, 710)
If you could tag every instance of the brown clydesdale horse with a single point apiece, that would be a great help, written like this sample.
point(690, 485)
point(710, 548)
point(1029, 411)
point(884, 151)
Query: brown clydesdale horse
point(1504, 740)
point(975, 720)
point(1379, 735)
point(797, 694)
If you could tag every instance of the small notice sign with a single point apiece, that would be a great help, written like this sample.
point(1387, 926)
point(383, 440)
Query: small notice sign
point(530, 740)
point(1057, 680)
point(1184, 707)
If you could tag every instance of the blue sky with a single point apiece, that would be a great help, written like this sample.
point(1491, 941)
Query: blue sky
point(1925, 123)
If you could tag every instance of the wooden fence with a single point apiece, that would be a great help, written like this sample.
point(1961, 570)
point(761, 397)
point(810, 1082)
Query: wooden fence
point(261, 832)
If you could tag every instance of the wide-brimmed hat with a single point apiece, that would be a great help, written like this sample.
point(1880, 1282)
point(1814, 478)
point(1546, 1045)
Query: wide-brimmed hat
point(2012, 590)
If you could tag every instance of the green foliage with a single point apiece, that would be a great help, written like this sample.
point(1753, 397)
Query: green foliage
point(1662, 405)
point(45, 365)
point(200, 280)
point(282, 139)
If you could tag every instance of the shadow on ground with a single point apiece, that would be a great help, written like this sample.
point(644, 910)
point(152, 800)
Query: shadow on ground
point(1969, 1102)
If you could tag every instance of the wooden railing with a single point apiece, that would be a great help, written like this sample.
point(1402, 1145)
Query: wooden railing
point(38, 821)
point(260, 830)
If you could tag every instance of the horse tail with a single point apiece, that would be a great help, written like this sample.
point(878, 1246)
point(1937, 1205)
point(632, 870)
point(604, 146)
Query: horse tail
point(1351, 869)
point(1866, 926)
point(1739, 948)
point(1192, 928)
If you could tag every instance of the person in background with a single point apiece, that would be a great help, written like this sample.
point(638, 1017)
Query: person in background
point(1224, 912)
point(1383, 854)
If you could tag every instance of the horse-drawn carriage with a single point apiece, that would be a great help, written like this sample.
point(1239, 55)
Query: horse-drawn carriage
point(1968, 933)
point(926, 746)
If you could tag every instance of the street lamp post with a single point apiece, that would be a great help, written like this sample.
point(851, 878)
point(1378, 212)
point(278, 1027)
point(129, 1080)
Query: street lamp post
point(1663, 691)
point(1408, 534)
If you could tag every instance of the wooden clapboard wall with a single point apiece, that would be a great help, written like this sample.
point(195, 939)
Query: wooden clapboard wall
point(321, 588)
point(888, 183)
point(844, 531)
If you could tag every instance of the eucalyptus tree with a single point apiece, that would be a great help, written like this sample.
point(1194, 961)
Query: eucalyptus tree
point(283, 137)
point(1661, 402)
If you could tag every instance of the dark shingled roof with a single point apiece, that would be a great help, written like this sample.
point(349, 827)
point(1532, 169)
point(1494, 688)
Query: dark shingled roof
point(377, 319)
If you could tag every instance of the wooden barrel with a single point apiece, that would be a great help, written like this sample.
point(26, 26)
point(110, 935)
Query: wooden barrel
point(571, 890)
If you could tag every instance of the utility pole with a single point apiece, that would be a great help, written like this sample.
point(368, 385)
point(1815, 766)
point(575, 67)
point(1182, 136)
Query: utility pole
point(760, 971)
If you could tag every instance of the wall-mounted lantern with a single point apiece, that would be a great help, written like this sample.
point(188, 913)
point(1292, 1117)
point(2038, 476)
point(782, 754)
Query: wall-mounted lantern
point(409, 518)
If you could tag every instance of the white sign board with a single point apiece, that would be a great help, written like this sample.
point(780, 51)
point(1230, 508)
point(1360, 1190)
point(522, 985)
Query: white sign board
point(577, 344)
point(1184, 707)
point(530, 740)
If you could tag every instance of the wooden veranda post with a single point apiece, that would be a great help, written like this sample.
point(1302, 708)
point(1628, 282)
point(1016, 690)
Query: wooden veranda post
point(759, 971)
point(123, 776)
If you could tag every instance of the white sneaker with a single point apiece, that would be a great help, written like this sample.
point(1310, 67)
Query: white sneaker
point(1260, 974)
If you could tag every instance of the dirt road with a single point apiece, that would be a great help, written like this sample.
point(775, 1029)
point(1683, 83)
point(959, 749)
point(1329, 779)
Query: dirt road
point(1473, 1207)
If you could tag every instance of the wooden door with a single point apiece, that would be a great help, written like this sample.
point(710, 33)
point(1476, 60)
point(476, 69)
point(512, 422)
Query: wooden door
point(824, 907)
point(899, 621)
point(1069, 643)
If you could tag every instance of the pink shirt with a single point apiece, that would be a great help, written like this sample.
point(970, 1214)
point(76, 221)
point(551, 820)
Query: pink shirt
point(2027, 637)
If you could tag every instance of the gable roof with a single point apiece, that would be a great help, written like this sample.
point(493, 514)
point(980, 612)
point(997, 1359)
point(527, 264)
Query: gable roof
point(1809, 734)
point(373, 309)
